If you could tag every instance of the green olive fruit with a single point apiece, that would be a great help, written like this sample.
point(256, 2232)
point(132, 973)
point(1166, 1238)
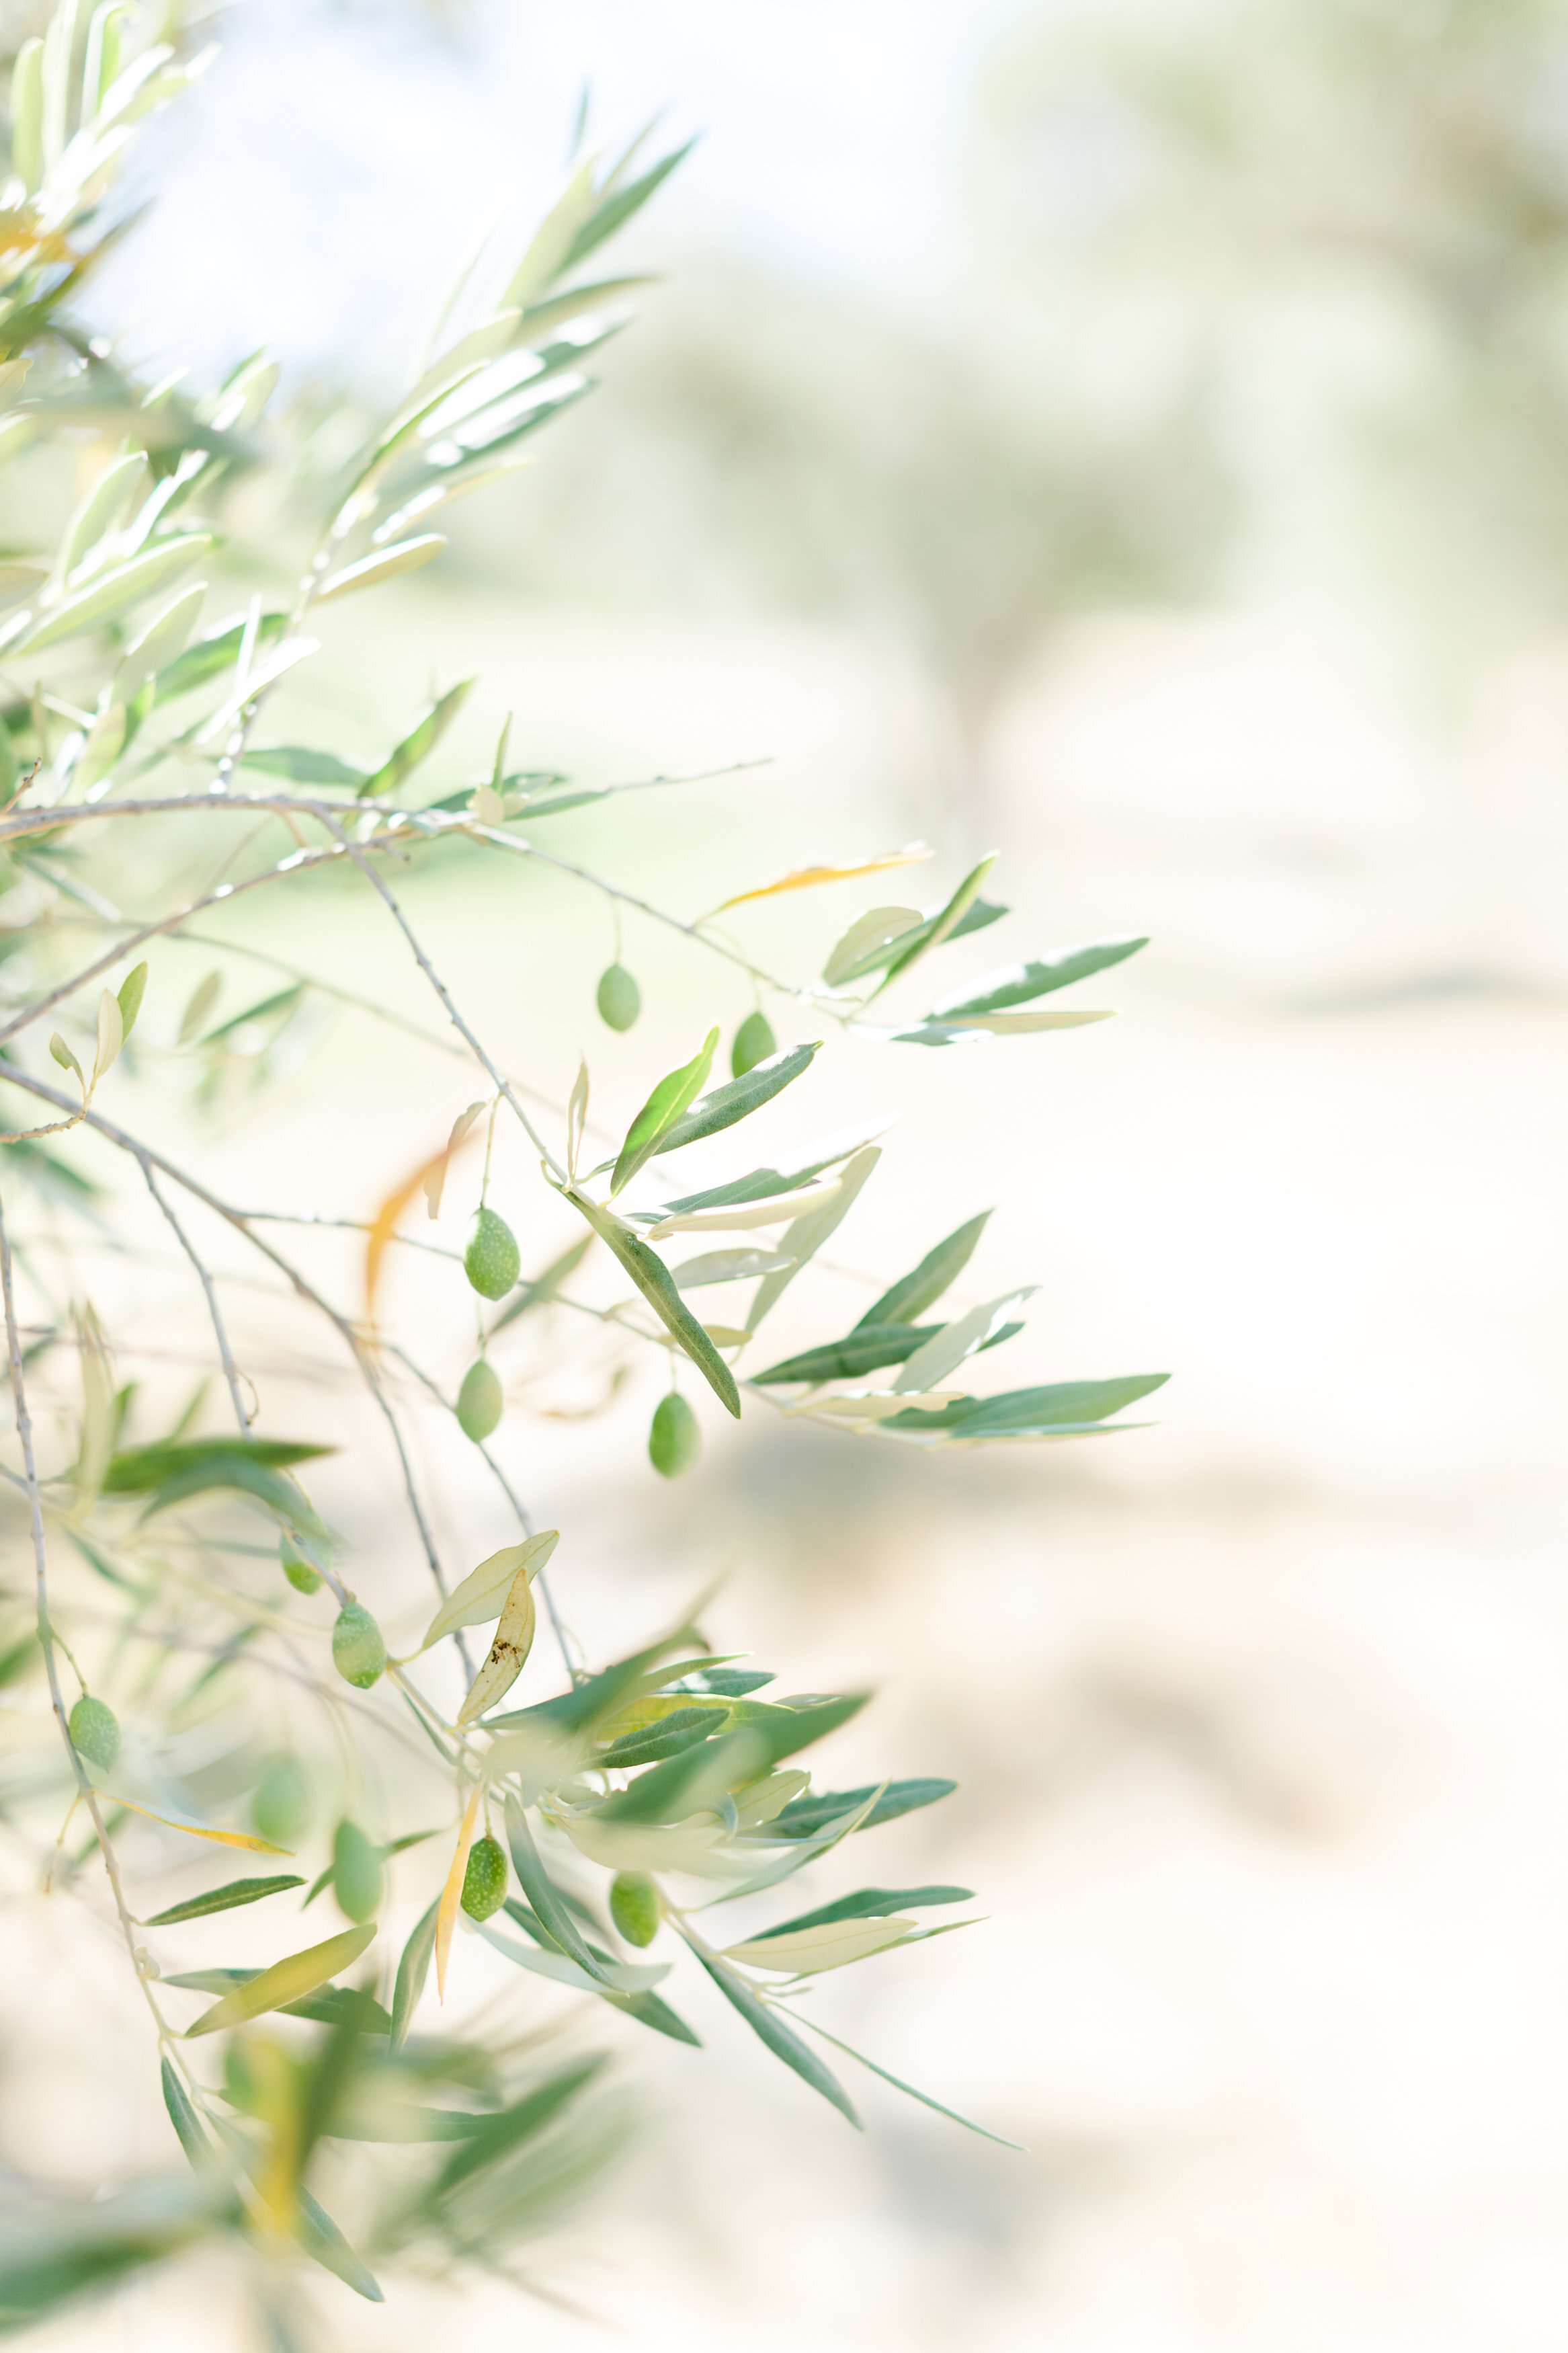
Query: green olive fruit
point(634, 1907)
point(280, 1801)
point(484, 1882)
point(298, 1567)
point(480, 1401)
point(359, 1653)
point(754, 1041)
point(619, 999)
point(95, 1732)
point(675, 1441)
point(357, 1878)
point(492, 1259)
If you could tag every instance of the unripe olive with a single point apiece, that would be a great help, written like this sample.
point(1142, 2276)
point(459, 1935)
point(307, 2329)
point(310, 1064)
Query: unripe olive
point(619, 999)
point(492, 1260)
point(298, 1568)
point(95, 1732)
point(356, 1873)
point(754, 1041)
point(484, 1882)
point(675, 1441)
point(634, 1907)
point(359, 1653)
point(280, 1801)
point(480, 1401)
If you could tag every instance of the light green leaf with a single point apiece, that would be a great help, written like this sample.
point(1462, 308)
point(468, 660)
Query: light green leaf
point(105, 742)
point(543, 1893)
point(766, 1184)
point(869, 1903)
point(222, 1899)
point(1063, 1408)
point(930, 1364)
point(868, 936)
point(661, 1113)
point(286, 1981)
point(832, 1945)
point(413, 1970)
point(652, 1278)
point(482, 1594)
point(1018, 983)
point(103, 509)
point(899, 2085)
point(418, 745)
point(407, 556)
point(301, 766)
point(728, 1266)
point(807, 1235)
point(915, 1293)
point(781, 2040)
point(951, 916)
point(737, 1098)
point(111, 591)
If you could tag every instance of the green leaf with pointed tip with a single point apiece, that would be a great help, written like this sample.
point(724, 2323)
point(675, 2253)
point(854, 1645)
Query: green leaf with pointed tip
point(781, 2040)
point(982, 913)
point(184, 2119)
point(497, 2135)
point(898, 2084)
point(1019, 983)
point(805, 1817)
point(413, 1968)
point(695, 1780)
point(416, 745)
point(915, 1292)
point(804, 1236)
point(766, 1184)
point(667, 1738)
point(654, 1279)
point(212, 655)
point(322, 2239)
point(909, 952)
point(542, 1288)
point(223, 1899)
point(870, 1904)
point(139, 1469)
point(650, 2009)
point(542, 1891)
point(867, 1349)
point(619, 208)
point(302, 766)
point(738, 1098)
point(1062, 1406)
point(661, 1111)
point(110, 591)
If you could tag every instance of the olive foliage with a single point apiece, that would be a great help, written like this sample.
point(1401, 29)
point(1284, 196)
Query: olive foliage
point(179, 1572)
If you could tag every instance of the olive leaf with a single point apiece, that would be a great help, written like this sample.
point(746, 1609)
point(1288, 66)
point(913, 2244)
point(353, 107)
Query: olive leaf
point(285, 1981)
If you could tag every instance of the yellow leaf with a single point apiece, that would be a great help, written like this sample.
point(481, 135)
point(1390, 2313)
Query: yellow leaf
point(200, 1829)
point(726, 1335)
point(452, 1893)
point(385, 1223)
point(806, 878)
point(436, 1179)
point(483, 1593)
point(288, 1980)
point(514, 1639)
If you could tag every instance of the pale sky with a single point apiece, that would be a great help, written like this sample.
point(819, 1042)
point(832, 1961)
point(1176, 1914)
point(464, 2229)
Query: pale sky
point(316, 193)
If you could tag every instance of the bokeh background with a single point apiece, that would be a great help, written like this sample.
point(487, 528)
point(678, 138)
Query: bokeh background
point(1134, 436)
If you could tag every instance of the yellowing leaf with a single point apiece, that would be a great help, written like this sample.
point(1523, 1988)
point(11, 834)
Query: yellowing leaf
point(807, 878)
point(200, 1829)
point(452, 1893)
point(111, 1034)
point(436, 1178)
point(285, 1981)
point(385, 1223)
point(870, 1405)
point(514, 1639)
point(406, 557)
point(828, 1948)
point(1020, 1025)
point(482, 1593)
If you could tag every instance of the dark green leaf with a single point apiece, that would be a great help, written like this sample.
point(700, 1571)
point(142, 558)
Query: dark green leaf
point(737, 1098)
point(302, 766)
point(654, 1279)
point(781, 2040)
point(1063, 1407)
point(416, 745)
point(689, 1783)
point(915, 1293)
point(666, 1737)
point(867, 1349)
point(140, 1469)
point(282, 1000)
point(870, 1904)
point(594, 1699)
point(497, 2135)
point(1022, 982)
point(649, 2010)
point(413, 1968)
point(222, 1899)
point(541, 1892)
point(806, 1817)
point(543, 1287)
point(662, 1111)
point(766, 1184)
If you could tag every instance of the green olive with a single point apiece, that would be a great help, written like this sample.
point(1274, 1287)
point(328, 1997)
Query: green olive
point(480, 1401)
point(634, 1907)
point(359, 1653)
point(492, 1259)
point(280, 1801)
point(754, 1041)
point(95, 1732)
point(484, 1881)
point(357, 1878)
point(298, 1567)
point(675, 1441)
point(619, 999)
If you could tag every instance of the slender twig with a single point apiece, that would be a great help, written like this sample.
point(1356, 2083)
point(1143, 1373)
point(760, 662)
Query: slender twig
point(204, 1276)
